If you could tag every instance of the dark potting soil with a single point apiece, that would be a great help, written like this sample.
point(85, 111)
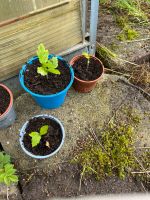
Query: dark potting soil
point(53, 136)
point(4, 100)
point(50, 84)
point(87, 72)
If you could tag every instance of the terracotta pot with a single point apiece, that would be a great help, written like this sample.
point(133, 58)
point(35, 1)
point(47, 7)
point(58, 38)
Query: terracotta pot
point(9, 116)
point(85, 86)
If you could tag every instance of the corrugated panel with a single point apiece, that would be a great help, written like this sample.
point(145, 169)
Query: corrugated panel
point(14, 8)
point(59, 29)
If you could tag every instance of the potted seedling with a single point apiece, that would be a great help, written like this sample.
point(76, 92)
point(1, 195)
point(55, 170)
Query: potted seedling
point(42, 136)
point(88, 70)
point(47, 78)
point(7, 113)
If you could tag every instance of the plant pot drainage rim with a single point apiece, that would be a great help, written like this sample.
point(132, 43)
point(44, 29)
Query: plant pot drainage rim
point(21, 77)
point(83, 81)
point(11, 100)
point(22, 132)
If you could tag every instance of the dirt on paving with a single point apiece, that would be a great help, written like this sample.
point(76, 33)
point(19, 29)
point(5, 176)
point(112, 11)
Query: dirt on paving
point(65, 181)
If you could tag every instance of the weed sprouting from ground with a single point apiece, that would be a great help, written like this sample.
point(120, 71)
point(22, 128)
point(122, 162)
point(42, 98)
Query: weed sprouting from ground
point(139, 73)
point(129, 8)
point(141, 76)
point(105, 53)
point(127, 14)
point(127, 34)
point(108, 55)
point(132, 7)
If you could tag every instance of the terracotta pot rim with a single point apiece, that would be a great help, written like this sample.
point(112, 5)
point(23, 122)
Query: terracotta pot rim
point(11, 100)
point(79, 56)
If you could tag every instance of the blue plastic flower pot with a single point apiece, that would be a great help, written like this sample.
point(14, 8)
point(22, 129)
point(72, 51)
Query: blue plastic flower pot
point(51, 101)
point(22, 133)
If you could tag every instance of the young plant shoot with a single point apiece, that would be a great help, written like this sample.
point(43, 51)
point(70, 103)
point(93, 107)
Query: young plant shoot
point(47, 65)
point(87, 56)
point(36, 136)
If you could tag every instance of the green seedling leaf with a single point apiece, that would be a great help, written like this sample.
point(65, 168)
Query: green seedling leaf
point(42, 71)
point(43, 130)
point(4, 159)
point(54, 71)
point(7, 172)
point(8, 167)
point(7, 181)
point(54, 60)
point(13, 178)
point(51, 65)
point(11, 171)
point(86, 55)
point(47, 66)
point(2, 175)
point(35, 138)
point(1, 156)
point(42, 54)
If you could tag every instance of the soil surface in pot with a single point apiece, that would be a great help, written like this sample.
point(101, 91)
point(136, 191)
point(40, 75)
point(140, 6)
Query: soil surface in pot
point(87, 72)
point(53, 136)
point(4, 100)
point(50, 84)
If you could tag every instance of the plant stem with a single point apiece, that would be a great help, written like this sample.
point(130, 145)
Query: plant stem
point(116, 72)
point(143, 187)
point(88, 62)
point(143, 39)
point(81, 177)
point(7, 193)
point(141, 165)
point(145, 172)
point(69, 181)
point(126, 61)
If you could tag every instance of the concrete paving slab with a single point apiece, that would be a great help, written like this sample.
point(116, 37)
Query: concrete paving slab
point(78, 113)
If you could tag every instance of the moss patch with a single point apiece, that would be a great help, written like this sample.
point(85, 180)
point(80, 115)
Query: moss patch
point(127, 34)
